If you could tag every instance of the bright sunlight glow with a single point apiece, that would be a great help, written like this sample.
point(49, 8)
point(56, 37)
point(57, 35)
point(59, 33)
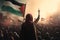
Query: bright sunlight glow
point(47, 7)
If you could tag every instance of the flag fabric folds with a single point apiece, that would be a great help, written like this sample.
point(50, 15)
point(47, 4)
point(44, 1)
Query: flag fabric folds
point(11, 7)
point(11, 10)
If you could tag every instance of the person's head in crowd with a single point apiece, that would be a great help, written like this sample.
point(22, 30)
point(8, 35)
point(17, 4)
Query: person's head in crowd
point(29, 18)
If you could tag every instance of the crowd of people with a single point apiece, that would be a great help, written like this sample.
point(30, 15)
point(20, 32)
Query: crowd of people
point(44, 33)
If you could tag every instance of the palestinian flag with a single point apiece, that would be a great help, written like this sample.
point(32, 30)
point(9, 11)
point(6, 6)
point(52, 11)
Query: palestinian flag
point(14, 7)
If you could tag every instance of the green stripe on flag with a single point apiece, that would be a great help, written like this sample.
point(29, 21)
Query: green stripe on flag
point(11, 10)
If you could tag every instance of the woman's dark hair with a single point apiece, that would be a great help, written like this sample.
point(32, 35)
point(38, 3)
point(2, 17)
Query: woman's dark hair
point(29, 17)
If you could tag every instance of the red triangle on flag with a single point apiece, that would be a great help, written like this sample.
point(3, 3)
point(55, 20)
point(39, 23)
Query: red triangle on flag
point(22, 9)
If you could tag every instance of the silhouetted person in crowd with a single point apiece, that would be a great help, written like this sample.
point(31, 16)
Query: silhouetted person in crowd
point(28, 30)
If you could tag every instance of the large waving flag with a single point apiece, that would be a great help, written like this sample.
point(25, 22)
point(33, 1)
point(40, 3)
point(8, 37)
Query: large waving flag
point(14, 7)
point(12, 12)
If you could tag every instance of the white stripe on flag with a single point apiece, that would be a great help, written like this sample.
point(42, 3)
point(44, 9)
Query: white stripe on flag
point(8, 3)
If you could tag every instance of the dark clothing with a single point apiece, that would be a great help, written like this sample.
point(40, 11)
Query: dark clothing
point(28, 32)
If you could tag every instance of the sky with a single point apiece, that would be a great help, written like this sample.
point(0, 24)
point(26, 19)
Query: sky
point(47, 7)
